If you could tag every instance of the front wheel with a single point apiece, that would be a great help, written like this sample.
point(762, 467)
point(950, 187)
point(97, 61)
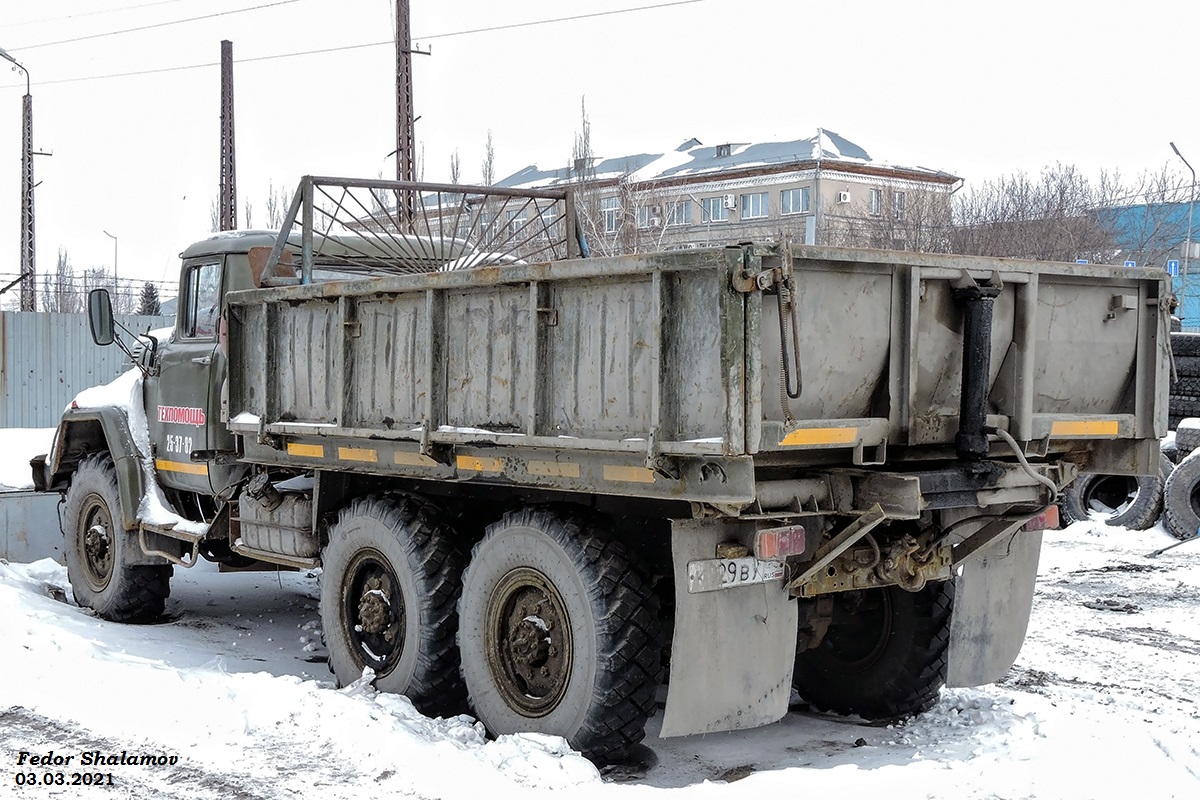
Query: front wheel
point(884, 655)
point(559, 633)
point(98, 550)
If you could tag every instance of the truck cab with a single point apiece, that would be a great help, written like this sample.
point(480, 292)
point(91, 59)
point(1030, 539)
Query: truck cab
point(193, 449)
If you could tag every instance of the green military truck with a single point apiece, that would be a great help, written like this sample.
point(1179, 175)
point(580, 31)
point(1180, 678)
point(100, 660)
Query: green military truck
point(542, 486)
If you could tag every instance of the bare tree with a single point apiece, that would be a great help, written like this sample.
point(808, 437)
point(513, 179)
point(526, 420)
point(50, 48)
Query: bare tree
point(248, 209)
point(455, 167)
point(60, 292)
point(101, 278)
point(279, 200)
point(891, 217)
point(489, 162)
point(1054, 217)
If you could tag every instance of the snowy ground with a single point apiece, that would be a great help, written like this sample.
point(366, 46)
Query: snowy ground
point(1103, 703)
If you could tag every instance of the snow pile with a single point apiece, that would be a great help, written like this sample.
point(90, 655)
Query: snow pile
point(22, 444)
point(259, 727)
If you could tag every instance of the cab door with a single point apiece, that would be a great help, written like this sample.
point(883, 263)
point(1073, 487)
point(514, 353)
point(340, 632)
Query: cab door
point(180, 406)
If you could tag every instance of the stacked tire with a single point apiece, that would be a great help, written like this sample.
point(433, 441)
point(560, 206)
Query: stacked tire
point(1125, 501)
point(1185, 383)
point(1181, 496)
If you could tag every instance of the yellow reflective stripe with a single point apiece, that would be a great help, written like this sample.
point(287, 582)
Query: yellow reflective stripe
point(179, 466)
point(358, 454)
point(309, 450)
point(474, 464)
point(628, 474)
point(407, 459)
point(554, 469)
point(1085, 427)
point(813, 436)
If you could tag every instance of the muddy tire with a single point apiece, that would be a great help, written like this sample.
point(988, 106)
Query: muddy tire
point(390, 583)
point(559, 633)
point(884, 656)
point(98, 550)
point(1182, 498)
point(1123, 501)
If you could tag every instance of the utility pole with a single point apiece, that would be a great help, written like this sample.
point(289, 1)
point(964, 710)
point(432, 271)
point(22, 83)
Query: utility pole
point(1187, 247)
point(28, 268)
point(406, 208)
point(227, 216)
point(404, 95)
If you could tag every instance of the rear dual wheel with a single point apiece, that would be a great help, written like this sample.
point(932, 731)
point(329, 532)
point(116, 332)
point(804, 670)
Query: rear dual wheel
point(559, 633)
point(884, 655)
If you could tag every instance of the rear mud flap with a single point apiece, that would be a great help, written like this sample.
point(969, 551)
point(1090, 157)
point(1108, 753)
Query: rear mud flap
point(733, 650)
point(993, 596)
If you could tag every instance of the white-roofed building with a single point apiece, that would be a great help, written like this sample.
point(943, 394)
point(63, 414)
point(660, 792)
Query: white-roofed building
point(823, 190)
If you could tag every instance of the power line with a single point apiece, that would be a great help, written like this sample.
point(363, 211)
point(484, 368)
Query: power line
point(557, 19)
point(90, 13)
point(155, 25)
point(365, 45)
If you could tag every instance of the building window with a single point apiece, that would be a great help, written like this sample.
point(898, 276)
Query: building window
point(610, 209)
point(875, 203)
point(549, 218)
point(516, 221)
point(722, 151)
point(679, 212)
point(644, 215)
point(794, 201)
point(754, 206)
point(898, 204)
point(715, 209)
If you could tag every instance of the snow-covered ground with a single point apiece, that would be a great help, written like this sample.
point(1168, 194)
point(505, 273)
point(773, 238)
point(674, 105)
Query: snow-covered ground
point(1104, 702)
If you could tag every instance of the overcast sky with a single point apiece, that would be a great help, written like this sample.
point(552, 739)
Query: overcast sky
point(976, 89)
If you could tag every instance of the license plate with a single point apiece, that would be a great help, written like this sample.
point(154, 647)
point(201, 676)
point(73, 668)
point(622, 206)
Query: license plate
point(715, 574)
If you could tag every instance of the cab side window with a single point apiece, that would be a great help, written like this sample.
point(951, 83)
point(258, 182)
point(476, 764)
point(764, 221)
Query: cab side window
point(202, 301)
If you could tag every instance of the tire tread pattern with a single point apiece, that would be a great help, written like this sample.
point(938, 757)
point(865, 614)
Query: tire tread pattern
point(1143, 511)
point(437, 686)
point(1187, 437)
point(139, 592)
point(1181, 518)
point(912, 682)
point(1185, 344)
point(625, 608)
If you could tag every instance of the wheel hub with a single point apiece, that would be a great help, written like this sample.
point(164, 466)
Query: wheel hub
point(374, 611)
point(373, 615)
point(95, 540)
point(529, 642)
point(95, 543)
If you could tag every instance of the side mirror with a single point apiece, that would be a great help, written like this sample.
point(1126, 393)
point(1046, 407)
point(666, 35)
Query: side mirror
point(100, 317)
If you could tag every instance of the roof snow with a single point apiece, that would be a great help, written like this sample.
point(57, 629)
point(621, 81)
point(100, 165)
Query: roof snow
point(692, 157)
